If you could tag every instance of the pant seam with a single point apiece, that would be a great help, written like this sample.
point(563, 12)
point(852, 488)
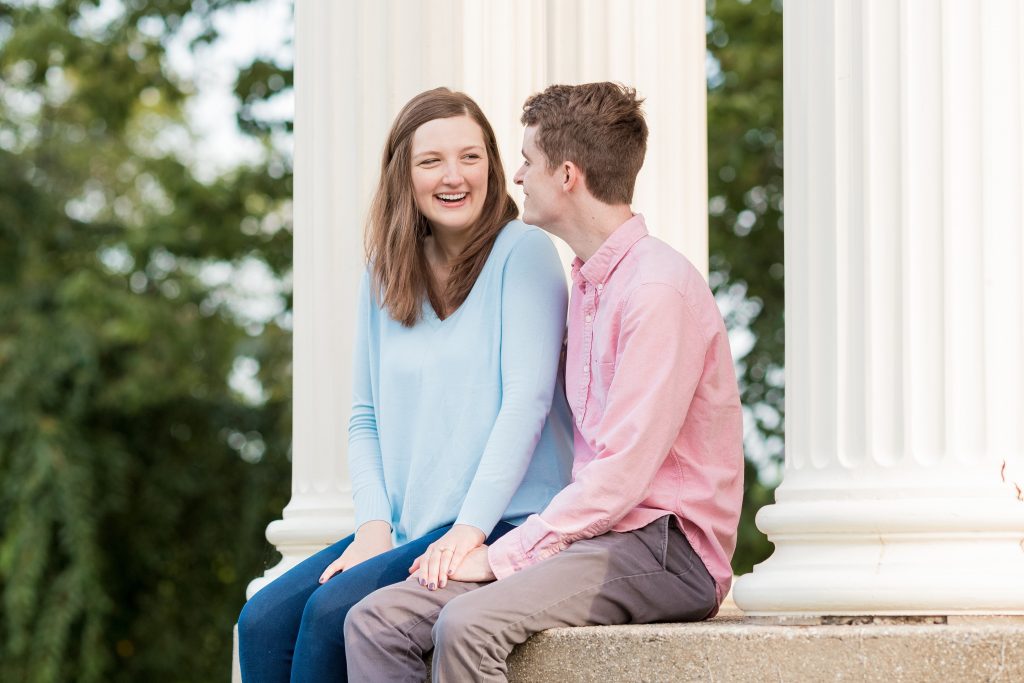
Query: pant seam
point(664, 546)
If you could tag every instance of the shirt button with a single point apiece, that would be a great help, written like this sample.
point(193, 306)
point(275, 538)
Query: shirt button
point(586, 369)
point(600, 288)
point(589, 318)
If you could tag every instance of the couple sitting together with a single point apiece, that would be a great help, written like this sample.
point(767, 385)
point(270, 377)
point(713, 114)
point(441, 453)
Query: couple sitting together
point(493, 500)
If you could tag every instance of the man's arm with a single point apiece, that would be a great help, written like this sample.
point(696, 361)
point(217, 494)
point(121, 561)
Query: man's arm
point(659, 361)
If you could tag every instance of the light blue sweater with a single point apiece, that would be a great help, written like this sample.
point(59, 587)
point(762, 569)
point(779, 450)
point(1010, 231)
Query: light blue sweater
point(450, 418)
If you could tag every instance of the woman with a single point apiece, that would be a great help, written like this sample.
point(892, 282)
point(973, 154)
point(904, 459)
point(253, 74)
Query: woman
point(459, 332)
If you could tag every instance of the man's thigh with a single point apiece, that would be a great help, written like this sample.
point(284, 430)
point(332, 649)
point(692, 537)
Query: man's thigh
point(644, 576)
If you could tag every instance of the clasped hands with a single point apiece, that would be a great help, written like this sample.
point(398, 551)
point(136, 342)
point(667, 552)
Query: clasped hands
point(459, 555)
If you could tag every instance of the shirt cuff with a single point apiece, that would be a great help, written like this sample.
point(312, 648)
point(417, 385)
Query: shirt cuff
point(519, 548)
point(506, 555)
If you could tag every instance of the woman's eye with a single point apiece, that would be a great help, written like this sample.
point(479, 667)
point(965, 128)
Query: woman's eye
point(472, 157)
point(428, 162)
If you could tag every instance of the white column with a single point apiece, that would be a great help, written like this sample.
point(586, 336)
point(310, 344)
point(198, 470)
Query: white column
point(904, 313)
point(326, 270)
point(357, 62)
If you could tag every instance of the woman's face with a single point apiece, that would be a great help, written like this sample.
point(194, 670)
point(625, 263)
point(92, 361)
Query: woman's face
point(449, 172)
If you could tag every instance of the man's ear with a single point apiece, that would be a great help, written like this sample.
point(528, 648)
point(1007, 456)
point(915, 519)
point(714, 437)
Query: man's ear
point(572, 176)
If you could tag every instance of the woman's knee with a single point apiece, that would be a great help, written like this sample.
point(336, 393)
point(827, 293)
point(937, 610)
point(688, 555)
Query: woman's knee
point(256, 617)
point(325, 608)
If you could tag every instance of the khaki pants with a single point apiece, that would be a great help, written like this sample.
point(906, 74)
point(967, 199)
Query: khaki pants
point(638, 577)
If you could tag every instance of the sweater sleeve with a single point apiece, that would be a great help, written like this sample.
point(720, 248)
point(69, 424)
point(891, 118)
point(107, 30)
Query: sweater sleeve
point(364, 457)
point(533, 309)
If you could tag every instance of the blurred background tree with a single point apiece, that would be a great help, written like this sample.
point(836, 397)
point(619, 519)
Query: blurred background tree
point(744, 41)
point(144, 411)
point(144, 414)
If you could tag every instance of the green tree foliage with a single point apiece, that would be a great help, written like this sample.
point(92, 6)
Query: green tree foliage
point(744, 40)
point(135, 481)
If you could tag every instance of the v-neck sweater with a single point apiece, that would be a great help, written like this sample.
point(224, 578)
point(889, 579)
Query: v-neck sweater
point(464, 420)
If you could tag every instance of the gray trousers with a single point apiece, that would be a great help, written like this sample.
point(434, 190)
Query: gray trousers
point(638, 577)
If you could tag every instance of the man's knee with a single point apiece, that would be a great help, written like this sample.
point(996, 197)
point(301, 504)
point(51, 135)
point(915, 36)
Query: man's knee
point(458, 625)
point(368, 618)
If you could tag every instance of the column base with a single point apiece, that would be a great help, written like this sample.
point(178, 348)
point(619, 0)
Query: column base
point(889, 558)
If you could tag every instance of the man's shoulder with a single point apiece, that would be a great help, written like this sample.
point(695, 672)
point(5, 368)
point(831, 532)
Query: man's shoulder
point(654, 262)
point(659, 278)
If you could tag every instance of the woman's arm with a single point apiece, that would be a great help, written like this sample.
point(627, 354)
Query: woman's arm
point(533, 308)
point(534, 299)
point(372, 506)
point(364, 459)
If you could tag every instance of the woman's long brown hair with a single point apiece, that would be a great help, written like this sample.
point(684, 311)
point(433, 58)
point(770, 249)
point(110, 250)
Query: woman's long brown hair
point(396, 230)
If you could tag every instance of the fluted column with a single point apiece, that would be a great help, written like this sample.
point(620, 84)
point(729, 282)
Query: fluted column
point(904, 313)
point(357, 62)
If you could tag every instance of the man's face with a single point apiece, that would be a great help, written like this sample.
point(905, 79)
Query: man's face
point(542, 188)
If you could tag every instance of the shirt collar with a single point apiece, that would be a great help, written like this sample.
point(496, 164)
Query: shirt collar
point(598, 267)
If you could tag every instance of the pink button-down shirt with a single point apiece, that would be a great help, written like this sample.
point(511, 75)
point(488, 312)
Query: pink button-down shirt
point(658, 424)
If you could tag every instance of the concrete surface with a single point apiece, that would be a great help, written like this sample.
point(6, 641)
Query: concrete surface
point(731, 648)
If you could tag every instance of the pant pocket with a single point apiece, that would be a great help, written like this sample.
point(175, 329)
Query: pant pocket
point(680, 556)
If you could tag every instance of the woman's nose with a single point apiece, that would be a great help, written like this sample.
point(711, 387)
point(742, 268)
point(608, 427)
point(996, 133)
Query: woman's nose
point(452, 175)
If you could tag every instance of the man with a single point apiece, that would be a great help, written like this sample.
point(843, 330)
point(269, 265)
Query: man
point(646, 530)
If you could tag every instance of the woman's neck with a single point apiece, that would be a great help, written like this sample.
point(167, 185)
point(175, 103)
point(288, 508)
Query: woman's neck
point(445, 247)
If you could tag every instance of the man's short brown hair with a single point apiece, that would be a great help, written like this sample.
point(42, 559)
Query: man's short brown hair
point(600, 127)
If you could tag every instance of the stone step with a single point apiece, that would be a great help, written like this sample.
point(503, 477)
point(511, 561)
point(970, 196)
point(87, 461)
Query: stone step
point(731, 648)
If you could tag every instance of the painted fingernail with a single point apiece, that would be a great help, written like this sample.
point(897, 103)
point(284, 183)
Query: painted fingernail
point(422, 582)
point(432, 586)
point(450, 572)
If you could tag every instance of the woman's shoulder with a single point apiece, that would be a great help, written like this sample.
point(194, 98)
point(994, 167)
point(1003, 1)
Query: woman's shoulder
point(519, 239)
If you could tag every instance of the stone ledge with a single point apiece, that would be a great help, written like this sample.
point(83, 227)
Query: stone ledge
point(730, 648)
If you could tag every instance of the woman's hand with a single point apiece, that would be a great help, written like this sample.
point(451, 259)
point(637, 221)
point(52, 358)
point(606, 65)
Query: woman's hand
point(443, 556)
point(372, 539)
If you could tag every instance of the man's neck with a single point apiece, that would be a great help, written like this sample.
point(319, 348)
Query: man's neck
point(588, 228)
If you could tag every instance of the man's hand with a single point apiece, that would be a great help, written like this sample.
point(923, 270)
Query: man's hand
point(475, 567)
point(372, 539)
point(443, 557)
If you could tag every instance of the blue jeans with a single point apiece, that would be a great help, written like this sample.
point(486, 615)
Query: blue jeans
point(293, 629)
